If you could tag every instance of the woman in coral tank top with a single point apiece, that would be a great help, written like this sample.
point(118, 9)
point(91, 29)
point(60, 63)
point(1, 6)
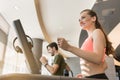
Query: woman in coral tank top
point(94, 49)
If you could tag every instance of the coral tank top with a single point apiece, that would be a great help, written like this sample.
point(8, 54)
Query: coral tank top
point(88, 46)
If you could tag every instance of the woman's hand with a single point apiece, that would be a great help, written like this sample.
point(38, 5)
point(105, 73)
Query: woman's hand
point(79, 76)
point(62, 43)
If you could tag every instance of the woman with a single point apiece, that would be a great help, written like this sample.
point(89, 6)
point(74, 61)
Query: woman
point(94, 48)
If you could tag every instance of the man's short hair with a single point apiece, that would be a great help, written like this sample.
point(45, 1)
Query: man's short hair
point(53, 44)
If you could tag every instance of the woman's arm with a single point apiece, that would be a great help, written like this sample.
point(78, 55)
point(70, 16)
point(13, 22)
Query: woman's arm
point(98, 48)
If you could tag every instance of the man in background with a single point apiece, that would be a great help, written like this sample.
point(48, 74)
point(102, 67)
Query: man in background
point(59, 65)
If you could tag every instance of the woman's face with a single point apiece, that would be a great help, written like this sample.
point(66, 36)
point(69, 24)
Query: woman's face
point(85, 20)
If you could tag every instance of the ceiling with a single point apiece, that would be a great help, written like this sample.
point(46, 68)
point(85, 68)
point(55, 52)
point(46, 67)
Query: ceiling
point(60, 17)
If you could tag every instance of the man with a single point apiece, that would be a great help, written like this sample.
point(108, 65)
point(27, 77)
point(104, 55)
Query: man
point(58, 65)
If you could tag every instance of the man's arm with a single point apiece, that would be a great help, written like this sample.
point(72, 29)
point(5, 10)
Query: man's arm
point(52, 69)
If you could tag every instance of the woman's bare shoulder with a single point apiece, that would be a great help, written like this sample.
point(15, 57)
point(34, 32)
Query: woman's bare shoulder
point(97, 32)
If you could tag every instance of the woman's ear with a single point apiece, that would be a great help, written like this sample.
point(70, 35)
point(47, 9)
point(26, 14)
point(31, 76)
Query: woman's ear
point(94, 18)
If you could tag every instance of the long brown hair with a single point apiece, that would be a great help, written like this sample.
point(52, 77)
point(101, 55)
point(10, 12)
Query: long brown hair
point(109, 47)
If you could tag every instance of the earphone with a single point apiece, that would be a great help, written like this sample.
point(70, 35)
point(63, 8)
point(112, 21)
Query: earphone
point(17, 48)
